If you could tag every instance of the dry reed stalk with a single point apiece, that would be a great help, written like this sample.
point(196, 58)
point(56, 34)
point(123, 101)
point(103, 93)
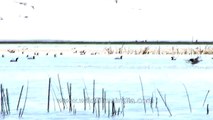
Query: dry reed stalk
point(56, 97)
point(84, 99)
point(93, 111)
point(108, 109)
point(164, 103)
point(69, 88)
point(144, 104)
point(206, 97)
point(85, 87)
point(8, 101)
point(98, 108)
point(207, 109)
point(118, 111)
point(113, 108)
point(156, 105)
point(105, 102)
point(5, 103)
point(2, 99)
point(102, 101)
point(19, 97)
point(151, 103)
point(123, 106)
point(188, 98)
point(48, 99)
point(61, 92)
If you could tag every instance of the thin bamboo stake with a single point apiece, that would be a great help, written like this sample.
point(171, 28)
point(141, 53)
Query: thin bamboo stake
point(93, 96)
point(62, 98)
point(25, 99)
point(48, 100)
point(164, 102)
point(188, 98)
point(19, 97)
point(206, 97)
point(144, 104)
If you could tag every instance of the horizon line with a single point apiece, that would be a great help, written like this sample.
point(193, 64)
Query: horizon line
point(104, 42)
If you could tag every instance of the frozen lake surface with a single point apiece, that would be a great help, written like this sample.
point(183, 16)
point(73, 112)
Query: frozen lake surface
point(117, 77)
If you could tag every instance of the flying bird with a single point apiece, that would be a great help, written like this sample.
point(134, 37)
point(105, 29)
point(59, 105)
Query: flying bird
point(116, 1)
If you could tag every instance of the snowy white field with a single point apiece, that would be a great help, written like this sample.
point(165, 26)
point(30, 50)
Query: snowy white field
point(117, 77)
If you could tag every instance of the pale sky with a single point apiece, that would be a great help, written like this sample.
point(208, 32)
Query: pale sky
point(106, 20)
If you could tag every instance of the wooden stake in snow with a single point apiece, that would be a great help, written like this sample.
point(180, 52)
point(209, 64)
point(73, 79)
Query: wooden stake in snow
point(206, 97)
point(188, 98)
point(164, 102)
point(144, 104)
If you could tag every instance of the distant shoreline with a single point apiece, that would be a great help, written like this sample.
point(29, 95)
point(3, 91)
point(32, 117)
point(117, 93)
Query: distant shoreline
point(136, 42)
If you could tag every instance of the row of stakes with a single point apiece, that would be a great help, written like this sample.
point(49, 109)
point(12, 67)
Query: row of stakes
point(5, 104)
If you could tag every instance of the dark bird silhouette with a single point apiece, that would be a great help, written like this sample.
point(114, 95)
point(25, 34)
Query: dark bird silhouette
point(119, 58)
point(30, 58)
point(173, 58)
point(33, 7)
point(14, 60)
point(116, 1)
point(1, 18)
point(194, 60)
point(22, 3)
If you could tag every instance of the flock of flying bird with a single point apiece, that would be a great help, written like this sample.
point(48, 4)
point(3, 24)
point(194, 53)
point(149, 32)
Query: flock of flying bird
point(21, 4)
point(32, 6)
